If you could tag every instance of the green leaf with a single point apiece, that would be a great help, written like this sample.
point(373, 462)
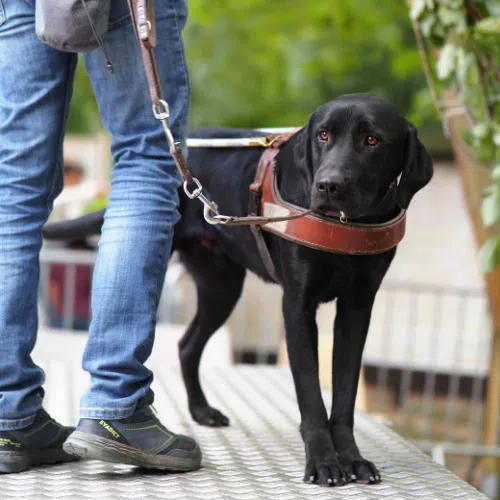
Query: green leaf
point(490, 207)
point(493, 7)
point(427, 23)
point(496, 134)
point(453, 18)
point(455, 4)
point(488, 26)
point(438, 34)
point(461, 64)
point(486, 151)
point(446, 63)
point(417, 7)
point(489, 255)
point(481, 130)
point(495, 172)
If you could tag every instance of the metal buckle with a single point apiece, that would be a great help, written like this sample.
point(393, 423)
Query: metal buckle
point(263, 141)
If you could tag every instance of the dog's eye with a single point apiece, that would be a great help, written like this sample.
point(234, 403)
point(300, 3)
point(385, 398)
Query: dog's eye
point(323, 135)
point(371, 140)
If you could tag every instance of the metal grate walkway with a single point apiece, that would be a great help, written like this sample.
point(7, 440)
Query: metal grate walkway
point(259, 457)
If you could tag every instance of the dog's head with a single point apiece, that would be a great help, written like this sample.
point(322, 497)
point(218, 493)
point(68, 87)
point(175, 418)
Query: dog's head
point(354, 148)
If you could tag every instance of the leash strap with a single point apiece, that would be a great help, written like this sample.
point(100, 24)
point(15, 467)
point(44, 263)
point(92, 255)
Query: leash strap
point(143, 18)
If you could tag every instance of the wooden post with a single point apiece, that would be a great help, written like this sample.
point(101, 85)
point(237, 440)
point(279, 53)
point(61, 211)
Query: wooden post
point(475, 177)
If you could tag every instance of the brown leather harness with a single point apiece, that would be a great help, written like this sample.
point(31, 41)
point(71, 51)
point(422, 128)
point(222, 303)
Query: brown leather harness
point(267, 210)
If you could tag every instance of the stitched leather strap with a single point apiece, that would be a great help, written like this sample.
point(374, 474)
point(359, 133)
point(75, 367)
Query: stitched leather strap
point(145, 29)
point(325, 233)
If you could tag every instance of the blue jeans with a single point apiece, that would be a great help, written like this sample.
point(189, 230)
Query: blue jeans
point(35, 91)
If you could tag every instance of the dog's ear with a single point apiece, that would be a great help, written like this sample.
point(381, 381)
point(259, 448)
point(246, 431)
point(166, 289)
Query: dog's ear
point(302, 152)
point(417, 168)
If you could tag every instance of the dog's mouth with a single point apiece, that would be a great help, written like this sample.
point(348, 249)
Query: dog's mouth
point(333, 211)
point(340, 209)
point(337, 213)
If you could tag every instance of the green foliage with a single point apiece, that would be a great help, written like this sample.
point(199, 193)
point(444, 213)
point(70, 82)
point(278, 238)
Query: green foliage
point(467, 32)
point(83, 115)
point(258, 63)
point(490, 254)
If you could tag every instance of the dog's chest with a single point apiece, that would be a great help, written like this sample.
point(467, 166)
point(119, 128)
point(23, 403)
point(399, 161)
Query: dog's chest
point(328, 276)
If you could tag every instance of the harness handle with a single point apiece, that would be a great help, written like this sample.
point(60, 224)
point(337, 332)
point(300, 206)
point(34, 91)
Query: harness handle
point(143, 18)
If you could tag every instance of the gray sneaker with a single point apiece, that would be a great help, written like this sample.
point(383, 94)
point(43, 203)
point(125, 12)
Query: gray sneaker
point(139, 440)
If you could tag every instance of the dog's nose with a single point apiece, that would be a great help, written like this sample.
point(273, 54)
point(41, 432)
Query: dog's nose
point(328, 186)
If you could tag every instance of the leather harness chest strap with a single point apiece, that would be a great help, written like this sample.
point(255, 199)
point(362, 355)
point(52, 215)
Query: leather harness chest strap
point(322, 233)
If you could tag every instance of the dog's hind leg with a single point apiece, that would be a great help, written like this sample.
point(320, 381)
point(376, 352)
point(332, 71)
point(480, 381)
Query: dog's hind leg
point(219, 282)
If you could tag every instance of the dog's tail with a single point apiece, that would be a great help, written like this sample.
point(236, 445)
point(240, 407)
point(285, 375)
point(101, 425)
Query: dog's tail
point(75, 229)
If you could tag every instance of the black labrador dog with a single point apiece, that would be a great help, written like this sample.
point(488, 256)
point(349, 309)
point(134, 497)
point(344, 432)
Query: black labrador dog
point(345, 159)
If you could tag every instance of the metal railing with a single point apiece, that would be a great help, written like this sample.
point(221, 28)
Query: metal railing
point(429, 346)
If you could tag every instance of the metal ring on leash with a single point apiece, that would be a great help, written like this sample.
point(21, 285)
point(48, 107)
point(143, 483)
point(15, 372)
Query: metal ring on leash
point(343, 217)
point(196, 192)
point(163, 115)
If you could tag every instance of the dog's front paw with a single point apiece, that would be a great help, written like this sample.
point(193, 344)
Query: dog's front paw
point(322, 465)
point(356, 467)
point(206, 415)
point(325, 472)
point(359, 470)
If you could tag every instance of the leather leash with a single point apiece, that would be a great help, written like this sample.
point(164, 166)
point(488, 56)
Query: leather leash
point(143, 18)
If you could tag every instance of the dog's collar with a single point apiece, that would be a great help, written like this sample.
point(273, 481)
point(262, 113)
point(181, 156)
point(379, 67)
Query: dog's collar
point(313, 230)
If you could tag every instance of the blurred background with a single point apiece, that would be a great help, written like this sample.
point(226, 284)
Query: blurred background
point(427, 364)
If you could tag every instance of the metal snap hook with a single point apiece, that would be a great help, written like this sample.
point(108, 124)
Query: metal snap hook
point(343, 217)
point(207, 214)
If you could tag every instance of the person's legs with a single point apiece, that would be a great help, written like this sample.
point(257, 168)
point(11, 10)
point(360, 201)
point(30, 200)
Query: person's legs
point(35, 89)
point(137, 233)
point(117, 422)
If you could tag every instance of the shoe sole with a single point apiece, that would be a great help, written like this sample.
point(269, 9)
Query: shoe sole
point(85, 445)
point(19, 461)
